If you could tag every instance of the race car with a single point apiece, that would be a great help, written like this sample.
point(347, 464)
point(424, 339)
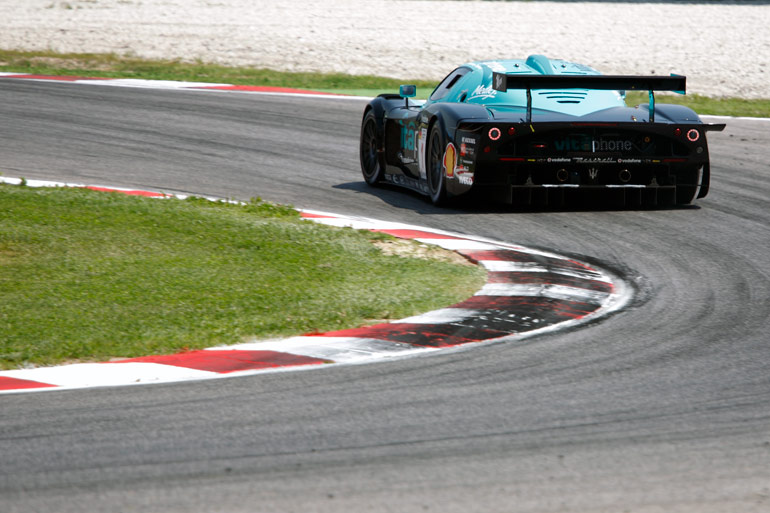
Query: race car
point(538, 131)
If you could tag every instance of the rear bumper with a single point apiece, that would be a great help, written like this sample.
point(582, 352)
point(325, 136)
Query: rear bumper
point(632, 195)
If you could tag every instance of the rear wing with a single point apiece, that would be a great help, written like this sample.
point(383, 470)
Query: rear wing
point(503, 82)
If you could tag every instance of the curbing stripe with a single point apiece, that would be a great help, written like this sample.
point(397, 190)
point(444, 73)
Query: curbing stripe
point(224, 361)
point(180, 85)
point(501, 266)
point(333, 349)
point(81, 375)
point(528, 292)
point(8, 383)
point(547, 291)
point(452, 315)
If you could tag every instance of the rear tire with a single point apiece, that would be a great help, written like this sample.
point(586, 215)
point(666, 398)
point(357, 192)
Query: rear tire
point(372, 165)
point(435, 167)
point(687, 186)
point(705, 181)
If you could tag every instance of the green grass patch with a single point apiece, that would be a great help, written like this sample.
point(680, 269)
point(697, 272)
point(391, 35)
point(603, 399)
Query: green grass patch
point(88, 276)
point(707, 105)
point(115, 66)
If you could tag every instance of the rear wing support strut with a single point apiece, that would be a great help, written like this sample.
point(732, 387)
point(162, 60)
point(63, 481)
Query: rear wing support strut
point(504, 81)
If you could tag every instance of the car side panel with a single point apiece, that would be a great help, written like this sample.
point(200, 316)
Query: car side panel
point(461, 145)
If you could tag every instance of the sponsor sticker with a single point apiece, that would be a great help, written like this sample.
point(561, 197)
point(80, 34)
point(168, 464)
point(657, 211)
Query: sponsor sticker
point(407, 135)
point(450, 160)
point(467, 146)
point(464, 175)
point(601, 145)
point(594, 145)
point(422, 139)
point(465, 179)
point(483, 93)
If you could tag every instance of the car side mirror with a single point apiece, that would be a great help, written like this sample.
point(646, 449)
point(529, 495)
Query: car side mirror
point(407, 91)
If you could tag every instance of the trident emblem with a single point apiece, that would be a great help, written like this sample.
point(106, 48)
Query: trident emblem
point(593, 173)
point(499, 82)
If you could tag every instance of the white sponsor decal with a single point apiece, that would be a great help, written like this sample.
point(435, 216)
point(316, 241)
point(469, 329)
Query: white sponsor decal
point(463, 175)
point(465, 179)
point(611, 145)
point(460, 168)
point(483, 93)
point(422, 138)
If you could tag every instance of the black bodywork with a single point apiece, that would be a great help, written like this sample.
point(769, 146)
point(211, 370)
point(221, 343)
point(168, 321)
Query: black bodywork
point(645, 155)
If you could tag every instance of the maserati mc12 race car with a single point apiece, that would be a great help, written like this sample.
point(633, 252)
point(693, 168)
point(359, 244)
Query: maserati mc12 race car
point(536, 132)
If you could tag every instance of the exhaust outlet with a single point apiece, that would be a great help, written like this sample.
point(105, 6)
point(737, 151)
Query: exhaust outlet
point(562, 175)
point(624, 176)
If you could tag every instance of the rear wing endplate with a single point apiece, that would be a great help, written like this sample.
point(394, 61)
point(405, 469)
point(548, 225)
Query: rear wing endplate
point(503, 82)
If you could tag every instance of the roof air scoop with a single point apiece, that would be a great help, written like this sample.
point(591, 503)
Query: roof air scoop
point(541, 63)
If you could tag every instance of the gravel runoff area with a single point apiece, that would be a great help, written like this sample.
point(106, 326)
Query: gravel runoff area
point(722, 47)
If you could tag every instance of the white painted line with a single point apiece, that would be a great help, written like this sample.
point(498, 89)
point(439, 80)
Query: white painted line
point(442, 316)
point(361, 224)
point(107, 374)
point(148, 84)
point(548, 291)
point(744, 118)
point(460, 244)
point(502, 266)
point(35, 183)
point(317, 96)
point(337, 349)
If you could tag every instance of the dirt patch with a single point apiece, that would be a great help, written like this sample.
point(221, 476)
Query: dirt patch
point(414, 249)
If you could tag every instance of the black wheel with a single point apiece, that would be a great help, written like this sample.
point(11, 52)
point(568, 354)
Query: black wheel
point(435, 167)
point(371, 161)
point(687, 186)
point(705, 181)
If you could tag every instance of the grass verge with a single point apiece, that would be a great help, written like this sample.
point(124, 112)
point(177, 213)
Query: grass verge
point(705, 105)
point(115, 66)
point(90, 276)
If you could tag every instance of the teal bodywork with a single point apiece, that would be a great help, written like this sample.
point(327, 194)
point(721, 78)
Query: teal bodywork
point(475, 87)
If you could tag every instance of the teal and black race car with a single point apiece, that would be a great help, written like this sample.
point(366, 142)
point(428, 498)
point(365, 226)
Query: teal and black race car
point(537, 132)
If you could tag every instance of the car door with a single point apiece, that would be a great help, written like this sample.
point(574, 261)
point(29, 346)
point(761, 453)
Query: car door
point(403, 135)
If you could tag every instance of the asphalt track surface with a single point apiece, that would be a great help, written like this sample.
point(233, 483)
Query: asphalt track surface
point(662, 407)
